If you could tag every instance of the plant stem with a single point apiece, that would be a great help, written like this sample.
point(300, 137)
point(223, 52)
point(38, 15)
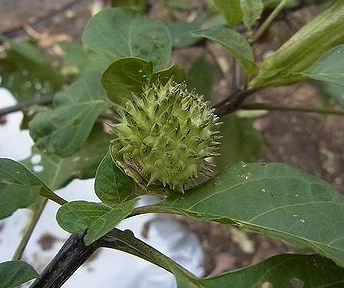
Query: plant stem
point(287, 108)
point(26, 104)
point(46, 192)
point(269, 20)
point(36, 214)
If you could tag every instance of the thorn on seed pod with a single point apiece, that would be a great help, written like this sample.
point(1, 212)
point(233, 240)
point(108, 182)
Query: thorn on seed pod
point(177, 130)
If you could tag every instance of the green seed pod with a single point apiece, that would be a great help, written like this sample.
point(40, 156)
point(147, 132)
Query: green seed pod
point(165, 136)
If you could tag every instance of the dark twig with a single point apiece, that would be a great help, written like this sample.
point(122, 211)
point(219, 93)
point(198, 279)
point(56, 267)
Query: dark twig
point(26, 104)
point(71, 256)
point(74, 253)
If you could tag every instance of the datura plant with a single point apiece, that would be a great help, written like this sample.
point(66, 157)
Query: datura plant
point(165, 136)
point(141, 124)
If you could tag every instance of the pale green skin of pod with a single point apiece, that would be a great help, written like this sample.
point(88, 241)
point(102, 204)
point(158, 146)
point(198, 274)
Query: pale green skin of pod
point(165, 136)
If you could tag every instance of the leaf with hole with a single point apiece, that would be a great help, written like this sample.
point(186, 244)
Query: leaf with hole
point(121, 32)
point(63, 130)
point(58, 172)
point(280, 201)
point(26, 71)
point(15, 273)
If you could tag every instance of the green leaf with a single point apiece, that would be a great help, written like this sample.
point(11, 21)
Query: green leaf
point(231, 10)
point(19, 188)
point(233, 41)
point(58, 172)
point(26, 71)
point(329, 68)
point(63, 130)
point(272, 199)
point(201, 77)
point(323, 33)
point(97, 218)
point(15, 273)
point(120, 32)
point(125, 77)
point(129, 75)
point(282, 271)
point(241, 142)
point(113, 186)
point(180, 33)
point(252, 10)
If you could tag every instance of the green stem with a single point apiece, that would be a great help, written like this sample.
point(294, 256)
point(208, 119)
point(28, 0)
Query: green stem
point(126, 242)
point(286, 108)
point(36, 214)
point(269, 20)
point(47, 193)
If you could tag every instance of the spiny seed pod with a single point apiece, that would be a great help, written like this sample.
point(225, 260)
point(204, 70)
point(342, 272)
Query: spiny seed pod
point(165, 136)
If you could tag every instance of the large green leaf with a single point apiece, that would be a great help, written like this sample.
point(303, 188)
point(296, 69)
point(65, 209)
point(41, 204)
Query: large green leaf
point(19, 188)
point(127, 76)
point(231, 10)
point(15, 273)
point(120, 32)
point(283, 271)
point(329, 68)
point(63, 130)
point(241, 142)
point(26, 71)
point(272, 199)
point(252, 9)
point(323, 33)
point(57, 171)
point(113, 186)
point(233, 41)
point(97, 218)
point(201, 77)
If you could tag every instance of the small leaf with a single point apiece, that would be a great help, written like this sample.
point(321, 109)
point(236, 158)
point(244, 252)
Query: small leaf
point(332, 90)
point(63, 130)
point(57, 172)
point(180, 33)
point(201, 77)
point(15, 273)
point(125, 77)
point(252, 9)
point(120, 32)
point(231, 10)
point(272, 199)
point(113, 186)
point(233, 41)
point(19, 188)
point(97, 218)
point(241, 142)
point(329, 68)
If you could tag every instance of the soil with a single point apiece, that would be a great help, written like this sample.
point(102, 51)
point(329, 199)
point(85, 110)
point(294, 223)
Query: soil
point(312, 142)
